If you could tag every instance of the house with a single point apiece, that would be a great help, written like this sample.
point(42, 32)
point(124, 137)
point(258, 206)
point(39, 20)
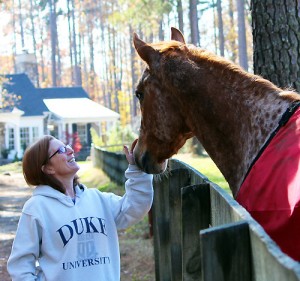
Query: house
point(63, 112)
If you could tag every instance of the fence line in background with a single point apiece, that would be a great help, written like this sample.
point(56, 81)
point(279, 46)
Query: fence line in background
point(201, 232)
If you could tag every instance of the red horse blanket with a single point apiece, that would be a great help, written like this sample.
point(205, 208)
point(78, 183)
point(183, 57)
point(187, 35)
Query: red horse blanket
point(271, 190)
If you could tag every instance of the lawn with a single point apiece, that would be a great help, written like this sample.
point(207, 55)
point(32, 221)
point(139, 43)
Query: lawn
point(206, 166)
point(15, 167)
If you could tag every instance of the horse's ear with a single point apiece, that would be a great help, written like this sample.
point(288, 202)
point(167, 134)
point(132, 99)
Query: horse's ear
point(177, 35)
point(145, 51)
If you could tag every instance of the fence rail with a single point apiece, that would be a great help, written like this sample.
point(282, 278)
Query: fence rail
point(201, 232)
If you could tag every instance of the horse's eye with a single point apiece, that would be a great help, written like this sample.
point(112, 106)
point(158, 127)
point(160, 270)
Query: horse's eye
point(139, 95)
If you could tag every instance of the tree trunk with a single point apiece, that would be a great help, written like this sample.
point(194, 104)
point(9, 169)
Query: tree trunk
point(34, 41)
point(21, 25)
point(70, 40)
point(215, 26)
point(59, 71)
point(134, 77)
point(91, 71)
point(276, 37)
point(14, 47)
point(232, 37)
point(180, 15)
point(53, 41)
point(195, 37)
point(220, 26)
point(243, 57)
point(79, 63)
point(161, 31)
point(76, 69)
point(113, 68)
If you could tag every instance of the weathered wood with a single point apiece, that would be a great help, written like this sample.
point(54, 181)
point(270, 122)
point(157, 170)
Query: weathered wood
point(269, 263)
point(196, 176)
point(224, 209)
point(167, 225)
point(179, 179)
point(161, 235)
point(195, 217)
point(226, 253)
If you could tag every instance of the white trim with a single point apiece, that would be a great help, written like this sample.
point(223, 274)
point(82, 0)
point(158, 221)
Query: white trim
point(83, 110)
point(11, 117)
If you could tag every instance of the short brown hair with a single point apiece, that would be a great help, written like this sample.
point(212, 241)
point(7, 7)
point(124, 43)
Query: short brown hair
point(34, 158)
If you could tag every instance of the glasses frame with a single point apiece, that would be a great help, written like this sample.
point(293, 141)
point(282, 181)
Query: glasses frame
point(61, 150)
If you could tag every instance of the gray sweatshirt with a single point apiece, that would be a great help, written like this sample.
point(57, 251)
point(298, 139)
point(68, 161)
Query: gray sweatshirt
point(60, 240)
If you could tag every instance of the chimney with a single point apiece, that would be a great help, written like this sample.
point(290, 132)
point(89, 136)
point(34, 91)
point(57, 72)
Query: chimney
point(26, 63)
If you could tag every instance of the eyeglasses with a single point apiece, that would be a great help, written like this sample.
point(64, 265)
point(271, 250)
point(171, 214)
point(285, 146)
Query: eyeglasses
point(61, 150)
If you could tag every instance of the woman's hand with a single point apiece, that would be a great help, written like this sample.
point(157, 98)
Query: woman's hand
point(129, 153)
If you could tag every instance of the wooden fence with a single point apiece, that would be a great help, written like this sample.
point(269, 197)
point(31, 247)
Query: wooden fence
point(201, 232)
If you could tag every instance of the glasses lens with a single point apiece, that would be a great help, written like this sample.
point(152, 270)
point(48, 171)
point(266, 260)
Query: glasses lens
point(61, 150)
point(64, 149)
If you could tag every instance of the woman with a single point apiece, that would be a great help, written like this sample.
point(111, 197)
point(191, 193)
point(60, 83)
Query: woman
point(67, 231)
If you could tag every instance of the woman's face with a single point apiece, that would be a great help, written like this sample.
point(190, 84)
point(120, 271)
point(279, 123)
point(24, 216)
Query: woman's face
point(61, 159)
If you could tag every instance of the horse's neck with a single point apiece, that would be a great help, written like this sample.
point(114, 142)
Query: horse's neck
point(233, 120)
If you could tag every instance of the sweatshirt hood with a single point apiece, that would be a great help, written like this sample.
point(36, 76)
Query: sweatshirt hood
point(48, 191)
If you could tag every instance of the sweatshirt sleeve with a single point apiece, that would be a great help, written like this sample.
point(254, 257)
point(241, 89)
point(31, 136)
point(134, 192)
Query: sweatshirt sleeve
point(21, 264)
point(137, 200)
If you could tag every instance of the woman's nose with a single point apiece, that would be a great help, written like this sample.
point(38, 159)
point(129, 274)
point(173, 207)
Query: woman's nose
point(69, 149)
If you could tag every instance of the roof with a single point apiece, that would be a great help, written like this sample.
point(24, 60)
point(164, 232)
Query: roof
point(65, 102)
point(80, 108)
point(63, 92)
point(30, 102)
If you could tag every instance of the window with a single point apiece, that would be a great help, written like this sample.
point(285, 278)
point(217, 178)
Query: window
point(24, 137)
point(11, 138)
point(35, 133)
point(81, 130)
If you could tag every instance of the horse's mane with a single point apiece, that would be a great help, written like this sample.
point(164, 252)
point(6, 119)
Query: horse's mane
point(199, 55)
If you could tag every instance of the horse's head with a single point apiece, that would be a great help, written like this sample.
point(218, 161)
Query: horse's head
point(163, 128)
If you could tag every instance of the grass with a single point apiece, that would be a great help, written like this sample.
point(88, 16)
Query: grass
point(206, 166)
point(96, 178)
point(15, 167)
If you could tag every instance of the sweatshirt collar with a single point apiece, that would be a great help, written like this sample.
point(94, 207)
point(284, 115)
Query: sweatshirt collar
point(48, 191)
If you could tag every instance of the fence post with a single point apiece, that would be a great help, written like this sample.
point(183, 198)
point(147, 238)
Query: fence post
point(161, 222)
point(224, 209)
point(226, 254)
point(167, 225)
point(195, 217)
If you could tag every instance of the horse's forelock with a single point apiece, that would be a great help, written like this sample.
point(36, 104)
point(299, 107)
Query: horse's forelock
point(163, 47)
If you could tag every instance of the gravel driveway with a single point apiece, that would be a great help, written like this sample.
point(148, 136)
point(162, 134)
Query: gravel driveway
point(13, 194)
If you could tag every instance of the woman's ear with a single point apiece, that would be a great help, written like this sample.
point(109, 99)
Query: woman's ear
point(46, 169)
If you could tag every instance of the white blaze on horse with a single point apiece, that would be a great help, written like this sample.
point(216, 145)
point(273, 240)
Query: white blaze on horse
point(243, 121)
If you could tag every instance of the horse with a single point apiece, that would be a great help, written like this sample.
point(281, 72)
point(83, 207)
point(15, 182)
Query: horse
point(186, 91)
